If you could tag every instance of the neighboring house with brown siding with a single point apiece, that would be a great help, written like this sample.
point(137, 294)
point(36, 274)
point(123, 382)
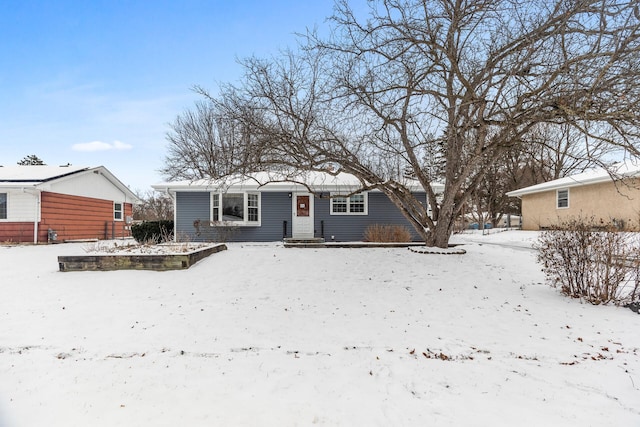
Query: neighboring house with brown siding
point(610, 197)
point(43, 203)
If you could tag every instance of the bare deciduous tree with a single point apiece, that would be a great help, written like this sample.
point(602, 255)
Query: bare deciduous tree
point(204, 143)
point(547, 153)
point(476, 77)
point(561, 150)
point(154, 207)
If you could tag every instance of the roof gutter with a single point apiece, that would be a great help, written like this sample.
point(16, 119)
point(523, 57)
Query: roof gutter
point(570, 181)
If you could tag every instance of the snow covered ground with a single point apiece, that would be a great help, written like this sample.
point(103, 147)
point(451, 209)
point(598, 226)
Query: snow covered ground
point(263, 335)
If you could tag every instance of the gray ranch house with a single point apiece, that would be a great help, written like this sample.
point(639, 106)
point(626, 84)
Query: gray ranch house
point(262, 208)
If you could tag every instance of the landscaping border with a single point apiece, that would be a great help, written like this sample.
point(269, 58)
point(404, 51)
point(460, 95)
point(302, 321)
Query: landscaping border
point(156, 262)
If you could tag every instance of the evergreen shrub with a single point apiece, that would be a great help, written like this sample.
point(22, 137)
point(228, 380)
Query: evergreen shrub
point(153, 231)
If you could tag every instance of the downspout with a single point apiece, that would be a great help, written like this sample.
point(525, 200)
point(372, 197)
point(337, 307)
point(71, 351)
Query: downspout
point(37, 194)
point(175, 215)
point(37, 217)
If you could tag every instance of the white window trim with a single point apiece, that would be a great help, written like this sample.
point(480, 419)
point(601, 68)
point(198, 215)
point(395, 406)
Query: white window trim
point(121, 211)
point(348, 212)
point(244, 223)
point(558, 198)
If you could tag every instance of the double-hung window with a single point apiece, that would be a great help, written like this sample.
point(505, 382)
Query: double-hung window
point(562, 198)
point(339, 205)
point(356, 204)
point(215, 207)
point(236, 208)
point(117, 211)
point(3, 205)
point(252, 208)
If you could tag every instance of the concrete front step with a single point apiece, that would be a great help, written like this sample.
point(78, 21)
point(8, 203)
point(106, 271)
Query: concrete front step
point(304, 243)
point(316, 240)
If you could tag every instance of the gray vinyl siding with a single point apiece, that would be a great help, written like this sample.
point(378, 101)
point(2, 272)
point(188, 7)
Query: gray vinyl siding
point(351, 227)
point(191, 206)
point(275, 209)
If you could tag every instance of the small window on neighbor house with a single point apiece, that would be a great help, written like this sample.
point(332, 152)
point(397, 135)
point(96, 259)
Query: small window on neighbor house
point(352, 205)
point(563, 199)
point(3, 205)
point(117, 211)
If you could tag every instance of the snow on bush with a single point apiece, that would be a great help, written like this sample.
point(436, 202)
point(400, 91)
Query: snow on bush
point(594, 263)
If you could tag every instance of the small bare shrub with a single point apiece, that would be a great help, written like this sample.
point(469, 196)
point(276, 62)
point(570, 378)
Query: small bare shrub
point(102, 246)
point(387, 233)
point(183, 237)
point(224, 231)
point(217, 231)
point(587, 261)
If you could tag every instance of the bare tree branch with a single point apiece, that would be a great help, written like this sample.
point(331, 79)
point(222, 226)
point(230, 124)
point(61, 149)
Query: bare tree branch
point(471, 80)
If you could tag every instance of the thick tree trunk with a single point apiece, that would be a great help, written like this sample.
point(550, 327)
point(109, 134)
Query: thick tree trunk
point(441, 233)
point(440, 236)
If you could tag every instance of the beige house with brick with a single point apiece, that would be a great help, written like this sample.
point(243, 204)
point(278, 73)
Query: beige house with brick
point(610, 197)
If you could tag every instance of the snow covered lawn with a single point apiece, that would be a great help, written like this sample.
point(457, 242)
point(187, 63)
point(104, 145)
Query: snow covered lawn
point(263, 335)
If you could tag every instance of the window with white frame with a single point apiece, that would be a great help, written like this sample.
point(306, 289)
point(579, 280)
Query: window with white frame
point(117, 211)
point(237, 208)
point(3, 205)
point(252, 208)
point(215, 207)
point(562, 198)
point(356, 204)
point(339, 205)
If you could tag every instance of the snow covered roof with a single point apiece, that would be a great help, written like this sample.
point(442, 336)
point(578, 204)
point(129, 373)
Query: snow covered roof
point(30, 175)
point(593, 176)
point(39, 176)
point(274, 181)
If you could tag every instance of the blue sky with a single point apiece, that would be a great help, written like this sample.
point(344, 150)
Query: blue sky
point(97, 82)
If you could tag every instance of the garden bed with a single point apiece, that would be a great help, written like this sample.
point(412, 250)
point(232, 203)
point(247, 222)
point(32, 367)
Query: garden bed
point(162, 258)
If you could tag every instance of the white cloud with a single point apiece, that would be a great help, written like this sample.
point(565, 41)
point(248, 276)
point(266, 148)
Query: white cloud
point(101, 146)
point(120, 146)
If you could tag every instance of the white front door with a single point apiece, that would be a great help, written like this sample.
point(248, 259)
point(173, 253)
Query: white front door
point(302, 216)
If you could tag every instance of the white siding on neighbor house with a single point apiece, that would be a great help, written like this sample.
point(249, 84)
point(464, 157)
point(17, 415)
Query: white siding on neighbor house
point(87, 184)
point(21, 206)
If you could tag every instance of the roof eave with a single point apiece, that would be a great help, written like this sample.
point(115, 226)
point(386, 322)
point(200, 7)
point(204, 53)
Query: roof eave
point(542, 188)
